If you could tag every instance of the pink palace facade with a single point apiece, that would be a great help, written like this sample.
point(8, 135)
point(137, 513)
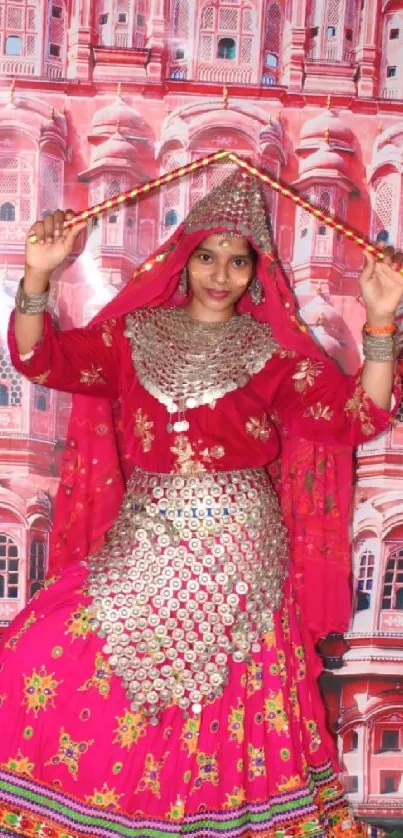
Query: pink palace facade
point(96, 95)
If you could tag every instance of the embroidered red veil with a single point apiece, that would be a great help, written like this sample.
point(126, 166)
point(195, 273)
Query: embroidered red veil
point(314, 481)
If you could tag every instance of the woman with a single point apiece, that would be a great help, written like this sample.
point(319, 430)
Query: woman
point(164, 681)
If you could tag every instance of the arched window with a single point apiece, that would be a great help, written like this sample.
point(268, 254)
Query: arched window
point(51, 181)
point(272, 43)
point(351, 28)
point(271, 60)
point(350, 741)
point(171, 218)
point(4, 396)
point(228, 33)
point(325, 200)
point(9, 567)
point(392, 77)
point(324, 239)
point(10, 379)
point(385, 193)
point(13, 45)
point(41, 397)
point(303, 234)
point(16, 188)
point(226, 48)
point(180, 17)
point(19, 21)
point(114, 188)
point(172, 194)
point(7, 211)
point(392, 595)
point(333, 29)
point(365, 580)
point(37, 565)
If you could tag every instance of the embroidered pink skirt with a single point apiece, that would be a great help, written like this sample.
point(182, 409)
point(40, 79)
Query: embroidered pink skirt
point(242, 755)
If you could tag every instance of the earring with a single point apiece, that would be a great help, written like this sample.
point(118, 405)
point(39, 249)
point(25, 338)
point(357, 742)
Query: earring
point(183, 285)
point(256, 291)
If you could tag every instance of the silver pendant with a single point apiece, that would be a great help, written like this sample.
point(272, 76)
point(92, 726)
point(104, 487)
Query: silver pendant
point(180, 427)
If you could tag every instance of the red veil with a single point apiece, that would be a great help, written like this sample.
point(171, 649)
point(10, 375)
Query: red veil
point(314, 481)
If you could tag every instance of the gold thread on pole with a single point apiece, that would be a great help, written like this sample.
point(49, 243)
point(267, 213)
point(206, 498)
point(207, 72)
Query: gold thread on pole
point(286, 191)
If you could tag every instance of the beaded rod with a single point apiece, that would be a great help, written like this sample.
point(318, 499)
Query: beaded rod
point(176, 174)
point(135, 192)
point(297, 199)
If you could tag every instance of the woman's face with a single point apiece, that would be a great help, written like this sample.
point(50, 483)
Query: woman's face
point(220, 270)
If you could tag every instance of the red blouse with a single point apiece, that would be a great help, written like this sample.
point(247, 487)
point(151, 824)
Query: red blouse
point(292, 394)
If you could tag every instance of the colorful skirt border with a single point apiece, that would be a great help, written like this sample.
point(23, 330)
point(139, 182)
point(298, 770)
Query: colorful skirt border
point(37, 809)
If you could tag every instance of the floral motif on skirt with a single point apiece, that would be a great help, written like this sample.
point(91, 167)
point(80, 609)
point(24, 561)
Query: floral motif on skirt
point(76, 760)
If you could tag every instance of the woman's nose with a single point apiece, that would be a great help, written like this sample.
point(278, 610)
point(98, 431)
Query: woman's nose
point(220, 274)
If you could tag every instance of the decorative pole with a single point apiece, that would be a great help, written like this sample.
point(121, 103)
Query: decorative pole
point(230, 156)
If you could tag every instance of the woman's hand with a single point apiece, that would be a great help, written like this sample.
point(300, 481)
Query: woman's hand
point(53, 245)
point(382, 286)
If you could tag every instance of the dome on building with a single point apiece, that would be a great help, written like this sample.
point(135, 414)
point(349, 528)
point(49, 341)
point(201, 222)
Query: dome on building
point(326, 126)
point(116, 146)
point(119, 114)
point(324, 159)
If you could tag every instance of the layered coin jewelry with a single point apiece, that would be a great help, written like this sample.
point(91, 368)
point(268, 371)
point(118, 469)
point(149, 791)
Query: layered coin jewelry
point(185, 363)
point(189, 576)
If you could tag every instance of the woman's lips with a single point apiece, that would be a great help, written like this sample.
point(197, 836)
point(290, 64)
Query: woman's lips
point(216, 295)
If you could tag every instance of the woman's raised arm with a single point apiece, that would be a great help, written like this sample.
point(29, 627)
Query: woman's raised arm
point(52, 246)
point(78, 360)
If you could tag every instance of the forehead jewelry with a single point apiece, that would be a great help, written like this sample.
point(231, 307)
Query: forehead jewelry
point(224, 243)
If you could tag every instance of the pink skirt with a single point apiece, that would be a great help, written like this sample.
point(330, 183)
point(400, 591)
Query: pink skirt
point(76, 759)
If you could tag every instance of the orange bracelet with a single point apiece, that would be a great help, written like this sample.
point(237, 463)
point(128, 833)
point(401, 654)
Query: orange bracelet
point(380, 330)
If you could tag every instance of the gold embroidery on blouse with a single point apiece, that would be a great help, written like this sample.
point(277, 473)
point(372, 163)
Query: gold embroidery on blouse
point(305, 373)
point(143, 429)
point(319, 411)
point(91, 376)
point(214, 453)
point(358, 408)
point(286, 353)
point(107, 332)
point(191, 461)
point(258, 428)
point(185, 456)
point(39, 379)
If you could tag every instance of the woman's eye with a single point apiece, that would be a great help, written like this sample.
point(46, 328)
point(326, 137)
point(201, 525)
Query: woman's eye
point(204, 257)
point(240, 262)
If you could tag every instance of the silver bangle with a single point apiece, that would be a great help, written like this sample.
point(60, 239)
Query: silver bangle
point(380, 348)
point(30, 303)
